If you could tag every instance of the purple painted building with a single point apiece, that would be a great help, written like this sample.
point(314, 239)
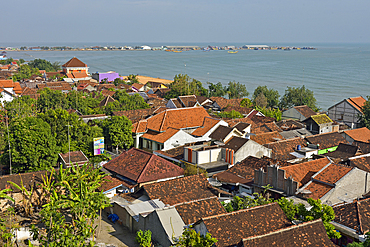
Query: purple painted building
point(110, 76)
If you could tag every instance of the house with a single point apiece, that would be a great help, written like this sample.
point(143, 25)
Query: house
point(75, 70)
point(183, 101)
point(245, 111)
point(352, 221)
point(294, 133)
point(224, 133)
point(73, 158)
point(9, 90)
point(243, 148)
point(327, 142)
point(264, 127)
point(290, 124)
point(161, 92)
point(60, 85)
point(348, 111)
point(110, 76)
point(360, 134)
point(286, 149)
point(361, 162)
point(137, 87)
point(319, 124)
point(343, 152)
point(310, 233)
point(230, 228)
point(138, 114)
point(174, 127)
point(111, 186)
point(220, 103)
point(180, 190)
point(268, 137)
point(299, 113)
point(106, 100)
point(137, 167)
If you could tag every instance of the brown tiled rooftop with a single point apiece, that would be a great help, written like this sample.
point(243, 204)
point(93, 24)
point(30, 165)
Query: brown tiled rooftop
point(235, 121)
point(303, 172)
point(135, 115)
point(281, 149)
point(357, 102)
point(310, 233)
point(361, 134)
point(318, 189)
point(208, 124)
point(344, 151)
point(289, 124)
point(191, 212)
point(230, 228)
point(305, 111)
point(327, 140)
point(188, 100)
point(221, 133)
point(333, 173)
point(141, 166)
point(110, 183)
point(268, 137)
point(180, 190)
point(355, 215)
point(242, 110)
point(362, 163)
point(76, 157)
point(74, 62)
point(161, 137)
point(235, 143)
point(29, 179)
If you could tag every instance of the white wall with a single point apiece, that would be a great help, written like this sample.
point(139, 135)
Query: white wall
point(251, 148)
point(180, 139)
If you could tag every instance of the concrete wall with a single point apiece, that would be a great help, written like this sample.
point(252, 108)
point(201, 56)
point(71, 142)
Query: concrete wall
point(345, 113)
point(171, 105)
point(207, 156)
point(353, 185)
point(123, 215)
point(201, 228)
point(181, 138)
point(251, 148)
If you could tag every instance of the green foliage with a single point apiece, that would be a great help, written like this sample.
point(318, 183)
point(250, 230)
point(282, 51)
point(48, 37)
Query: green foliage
point(117, 131)
point(363, 244)
point(25, 72)
point(43, 64)
point(32, 145)
point(190, 237)
point(183, 85)
point(51, 99)
point(288, 207)
point(8, 227)
point(271, 95)
point(261, 100)
point(132, 79)
point(144, 239)
point(118, 81)
point(230, 114)
point(21, 107)
point(296, 96)
point(216, 90)
point(236, 90)
point(193, 170)
point(6, 61)
point(69, 217)
point(246, 103)
point(268, 112)
point(365, 117)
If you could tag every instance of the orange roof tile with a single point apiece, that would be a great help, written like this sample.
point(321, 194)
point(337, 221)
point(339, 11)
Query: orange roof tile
point(177, 118)
point(303, 172)
point(79, 74)
point(74, 62)
point(318, 190)
point(160, 137)
point(17, 88)
point(6, 83)
point(333, 173)
point(268, 137)
point(140, 127)
point(357, 102)
point(208, 124)
point(305, 110)
point(362, 134)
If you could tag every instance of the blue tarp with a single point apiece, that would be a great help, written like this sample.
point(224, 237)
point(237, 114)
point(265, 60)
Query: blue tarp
point(113, 217)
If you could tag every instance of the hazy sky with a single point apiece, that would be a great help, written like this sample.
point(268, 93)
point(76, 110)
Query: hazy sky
point(245, 21)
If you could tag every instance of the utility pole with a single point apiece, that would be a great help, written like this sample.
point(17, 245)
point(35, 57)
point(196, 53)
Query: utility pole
point(69, 145)
point(10, 152)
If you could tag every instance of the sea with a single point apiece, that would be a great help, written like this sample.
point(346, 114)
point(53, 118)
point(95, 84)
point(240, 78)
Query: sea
point(333, 71)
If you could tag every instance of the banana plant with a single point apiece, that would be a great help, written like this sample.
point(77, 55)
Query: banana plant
point(27, 196)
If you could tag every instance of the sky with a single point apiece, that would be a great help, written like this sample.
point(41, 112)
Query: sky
point(141, 21)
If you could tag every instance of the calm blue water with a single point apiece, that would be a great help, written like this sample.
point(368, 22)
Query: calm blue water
point(333, 72)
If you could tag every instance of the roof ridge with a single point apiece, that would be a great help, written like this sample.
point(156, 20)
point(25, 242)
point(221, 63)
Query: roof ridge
point(284, 229)
point(239, 211)
point(163, 120)
point(197, 200)
point(145, 167)
point(359, 217)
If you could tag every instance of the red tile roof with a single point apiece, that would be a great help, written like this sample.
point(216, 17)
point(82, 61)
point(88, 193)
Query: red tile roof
point(267, 137)
point(361, 134)
point(333, 173)
point(230, 228)
point(318, 190)
point(161, 137)
point(180, 190)
point(140, 127)
point(223, 103)
point(74, 62)
point(303, 172)
point(327, 140)
point(357, 102)
point(310, 233)
point(281, 149)
point(191, 212)
point(141, 166)
point(110, 183)
point(76, 157)
point(178, 119)
point(362, 163)
point(208, 124)
point(305, 111)
point(233, 122)
point(188, 100)
point(80, 75)
point(138, 114)
point(355, 215)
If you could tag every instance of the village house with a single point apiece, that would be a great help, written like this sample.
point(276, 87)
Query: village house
point(137, 167)
point(348, 111)
point(230, 228)
point(299, 113)
point(287, 149)
point(9, 90)
point(319, 124)
point(174, 127)
point(183, 101)
point(352, 221)
point(73, 158)
point(75, 70)
point(360, 134)
point(110, 76)
point(223, 134)
point(327, 142)
point(220, 103)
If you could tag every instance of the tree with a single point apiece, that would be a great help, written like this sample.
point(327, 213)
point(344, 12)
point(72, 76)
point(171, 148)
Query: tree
point(298, 96)
point(261, 101)
point(230, 114)
point(117, 131)
point(144, 239)
point(216, 90)
point(246, 103)
point(32, 145)
point(42, 64)
point(271, 95)
point(23, 106)
point(365, 117)
point(51, 99)
point(25, 72)
point(236, 90)
point(363, 244)
point(184, 85)
point(131, 79)
point(190, 237)
point(268, 112)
